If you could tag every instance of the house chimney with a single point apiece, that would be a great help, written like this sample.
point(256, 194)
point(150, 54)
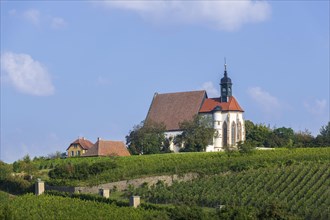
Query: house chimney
point(98, 139)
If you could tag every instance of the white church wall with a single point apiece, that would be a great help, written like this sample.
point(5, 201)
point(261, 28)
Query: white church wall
point(219, 118)
point(229, 118)
point(235, 118)
point(209, 148)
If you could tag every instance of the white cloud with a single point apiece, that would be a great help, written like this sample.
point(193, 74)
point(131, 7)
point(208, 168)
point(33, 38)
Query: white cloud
point(269, 104)
point(58, 23)
point(316, 107)
point(224, 15)
point(33, 16)
point(27, 75)
point(210, 89)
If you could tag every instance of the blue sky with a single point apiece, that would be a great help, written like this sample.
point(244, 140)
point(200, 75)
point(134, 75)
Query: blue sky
point(90, 68)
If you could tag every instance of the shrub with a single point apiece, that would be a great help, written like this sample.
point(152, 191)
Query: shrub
point(246, 147)
point(184, 212)
point(25, 165)
point(101, 166)
point(16, 185)
point(5, 170)
point(80, 171)
point(237, 212)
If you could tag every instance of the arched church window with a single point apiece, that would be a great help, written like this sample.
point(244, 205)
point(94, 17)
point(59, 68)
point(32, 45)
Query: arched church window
point(239, 131)
point(233, 133)
point(224, 134)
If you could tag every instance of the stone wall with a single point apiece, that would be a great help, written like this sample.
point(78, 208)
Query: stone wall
point(123, 185)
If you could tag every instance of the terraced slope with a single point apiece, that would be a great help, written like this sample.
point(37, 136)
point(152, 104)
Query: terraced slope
point(123, 168)
point(302, 189)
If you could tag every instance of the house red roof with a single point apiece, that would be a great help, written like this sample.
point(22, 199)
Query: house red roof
point(84, 143)
point(107, 148)
point(173, 108)
point(210, 104)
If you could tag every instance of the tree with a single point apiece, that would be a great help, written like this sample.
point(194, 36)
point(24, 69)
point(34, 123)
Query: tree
point(56, 155)
point(257, 134)
point(249, 126)
point(196, 134)
point(146, 138)
point(26, 158)
point(282, 137)
point(323, 139)
point(25, 165)
point(325, 131)
point(303, 139)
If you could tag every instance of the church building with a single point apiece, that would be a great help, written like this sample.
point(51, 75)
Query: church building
point(224, 111)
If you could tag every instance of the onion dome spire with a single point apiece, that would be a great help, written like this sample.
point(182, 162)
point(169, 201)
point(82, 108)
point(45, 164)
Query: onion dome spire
point(225, 86)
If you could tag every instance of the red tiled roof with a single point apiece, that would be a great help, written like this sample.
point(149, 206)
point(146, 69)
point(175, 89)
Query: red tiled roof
point(107, 148)
point(173, 108)
point(210, 104)
point(84, 143)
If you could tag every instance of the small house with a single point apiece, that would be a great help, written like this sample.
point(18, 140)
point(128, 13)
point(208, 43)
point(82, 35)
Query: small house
point(79, 147)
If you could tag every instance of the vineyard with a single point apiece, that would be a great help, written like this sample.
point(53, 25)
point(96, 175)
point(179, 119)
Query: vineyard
point(300, 189)
point(30, 206)
point(124, 168)
point(272, 184)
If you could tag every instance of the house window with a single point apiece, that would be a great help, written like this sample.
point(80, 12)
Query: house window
point(72, 153)
point(78, 153)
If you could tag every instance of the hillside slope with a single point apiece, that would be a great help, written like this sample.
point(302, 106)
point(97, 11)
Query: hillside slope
point(302, 189)
point(278, 184)
point(94, 171)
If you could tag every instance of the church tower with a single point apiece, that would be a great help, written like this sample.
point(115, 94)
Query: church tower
point(225, 86)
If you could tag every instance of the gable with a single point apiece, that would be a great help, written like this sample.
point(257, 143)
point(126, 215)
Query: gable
point(173, 108)
point(210, 104)
point(82, 142)
point(74, 147)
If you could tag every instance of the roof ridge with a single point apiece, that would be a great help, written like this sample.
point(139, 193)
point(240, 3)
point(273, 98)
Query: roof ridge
point(169, 93)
